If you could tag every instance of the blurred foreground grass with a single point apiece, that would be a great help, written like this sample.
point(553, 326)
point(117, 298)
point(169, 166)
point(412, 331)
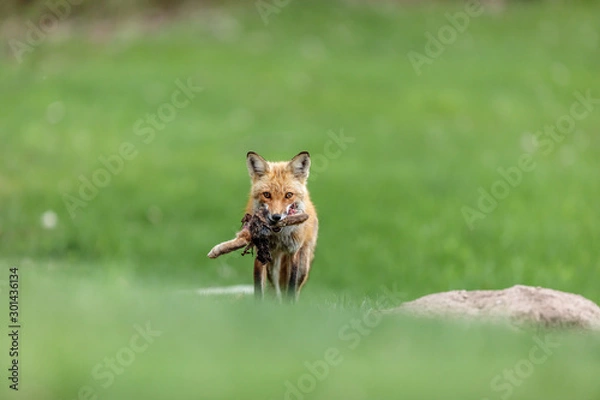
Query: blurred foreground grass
point(390, 200)
point(150, 341)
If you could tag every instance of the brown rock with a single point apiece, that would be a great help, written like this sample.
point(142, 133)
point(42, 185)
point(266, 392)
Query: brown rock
point(518, 305)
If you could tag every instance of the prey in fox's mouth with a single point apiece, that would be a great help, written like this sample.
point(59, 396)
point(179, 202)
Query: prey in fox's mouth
point(293, 210)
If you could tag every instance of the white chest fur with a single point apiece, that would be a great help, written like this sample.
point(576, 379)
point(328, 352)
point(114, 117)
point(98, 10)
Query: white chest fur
point(285, 241)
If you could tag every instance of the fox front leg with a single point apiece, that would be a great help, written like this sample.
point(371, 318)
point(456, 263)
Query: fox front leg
point(260, 278)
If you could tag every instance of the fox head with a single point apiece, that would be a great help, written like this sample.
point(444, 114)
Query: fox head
point(280, 187)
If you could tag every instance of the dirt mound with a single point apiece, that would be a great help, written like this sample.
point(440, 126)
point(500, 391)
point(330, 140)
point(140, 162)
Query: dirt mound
point(518, 305)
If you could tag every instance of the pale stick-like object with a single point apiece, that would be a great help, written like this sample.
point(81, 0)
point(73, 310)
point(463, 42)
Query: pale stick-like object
point(244, 237)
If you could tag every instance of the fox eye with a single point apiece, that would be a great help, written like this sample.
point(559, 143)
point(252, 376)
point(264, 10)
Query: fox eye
point(289, 195)
point(267, 195)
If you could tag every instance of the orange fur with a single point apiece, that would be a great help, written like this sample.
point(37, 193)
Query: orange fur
point(281, 186)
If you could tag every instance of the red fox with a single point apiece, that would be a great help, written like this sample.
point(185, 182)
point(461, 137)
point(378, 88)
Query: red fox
point(280, 187)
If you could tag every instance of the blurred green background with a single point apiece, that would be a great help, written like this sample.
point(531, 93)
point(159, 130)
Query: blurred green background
point(428, 123)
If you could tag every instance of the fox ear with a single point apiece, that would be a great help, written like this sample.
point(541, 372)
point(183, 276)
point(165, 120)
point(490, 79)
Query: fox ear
point(257, 166)
point(300, 165)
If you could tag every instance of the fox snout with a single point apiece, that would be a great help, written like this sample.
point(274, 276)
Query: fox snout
point(274, 218)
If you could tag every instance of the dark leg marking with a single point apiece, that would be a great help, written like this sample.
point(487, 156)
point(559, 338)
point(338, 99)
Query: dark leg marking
point(294, 275)
point(259, 279)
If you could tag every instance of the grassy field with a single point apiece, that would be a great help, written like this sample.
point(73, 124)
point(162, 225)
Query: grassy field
point(400, 154)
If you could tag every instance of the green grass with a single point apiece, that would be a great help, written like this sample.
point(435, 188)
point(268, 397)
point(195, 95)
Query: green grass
point(390, 204)
point(202, 348)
